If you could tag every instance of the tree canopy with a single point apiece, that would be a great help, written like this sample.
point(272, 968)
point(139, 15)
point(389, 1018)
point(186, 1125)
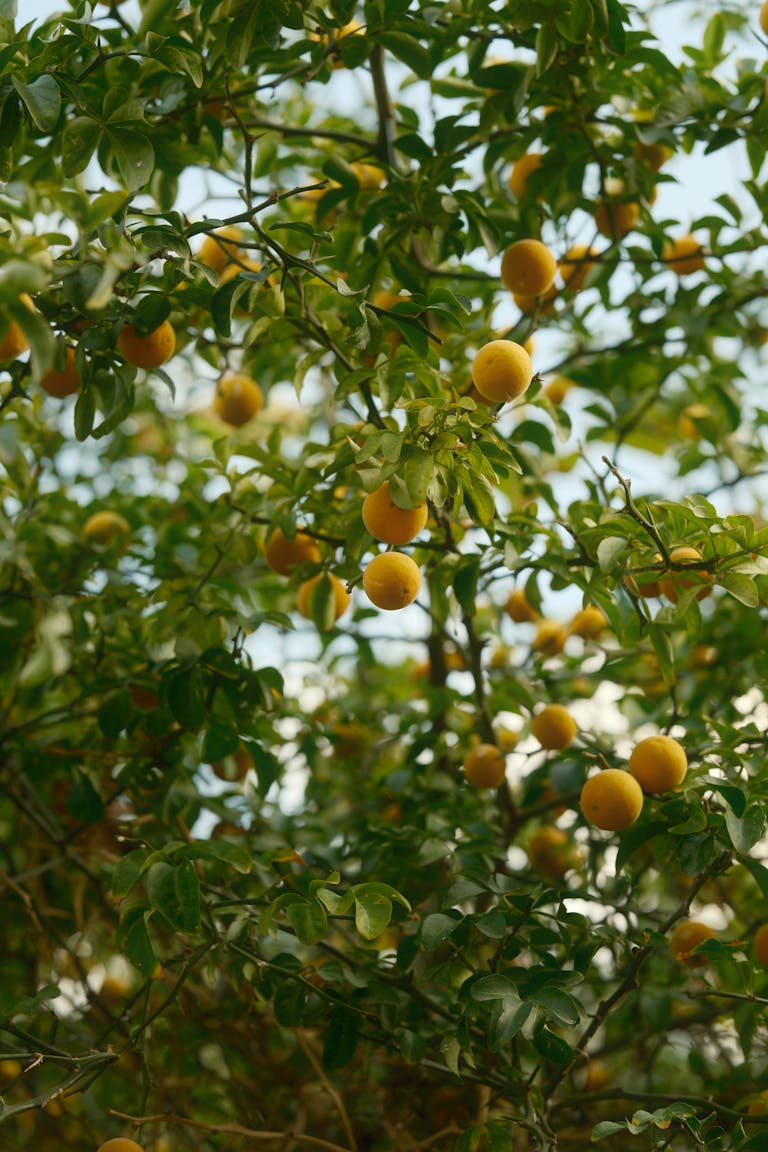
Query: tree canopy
point(383, 572)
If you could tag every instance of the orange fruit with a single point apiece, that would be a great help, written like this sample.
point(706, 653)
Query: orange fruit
point(597, 1075)
point(235, 767)
point(62, 382)
point(282, 554)
point(760, 945)
point(485, 766)
point(237, 399)
point(576, 265)
point(521, 170)
point(218, 249)
point(506, 738)
point(685, 937)
point(674, 582)
point(658, 763)
point(121, 1144)
point(10, 1070)
point(550, 637)
point(644, 587)
point(148, 351)
point(654, 156)
point(542, 303)
point(589, 623)
point(551, 851)
point(387, 521)
point(557, 389)
point(501, 371)
point(392, 581)
point(611, 800)
point(554, 727)
point(14, 342)
point(683, 255)
point(615, 217)
point(369, 176)
point(528, 268)
point(340, 595)
point(763, 17)
point(687, 421)
point(106, 528)
point(518, 607)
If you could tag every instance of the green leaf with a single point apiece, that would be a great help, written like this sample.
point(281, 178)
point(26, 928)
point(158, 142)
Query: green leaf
point(12, 1005)
point(340, 1041)
point(745, 831)
point(494, 987)
point(308, 920)
point(220, 740)
point(409, 51)
point(494, 1136)
point(134, 154)
point(289, 1004)
point(465, 583)
point(559, 1005)
point(436, 928)
point(552, 1047)
point(372, 914)
point(78, 143)
point(174, 892)
point(742, 588)
point(136, 941)
point(42, 99)
point(507, 1022)
point(607, 1128)
point(127, 871)
point(759, 873)
point(546, 47)
point(221, 850)
point(185, 692)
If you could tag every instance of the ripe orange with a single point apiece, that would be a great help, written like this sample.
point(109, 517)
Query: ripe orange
point(614, 218)
point(611, 800)
point(502, 371)
point(763, 17)
point(62, 382)
point(685, 937)
point(243, 264)
point(121, 1144)
point(589, 623)
point(518, 607)
point(235, 767)
point(687, 421)
point(485, 766)
point(654, 156)
point(674, 582)
point(576, 265)
point(106, 528)
point(369, 176)
point(645, 587)
point(218, 249)
point(683, 255)
point(551, 851)
point(237, 399)
point(387, 521)
point(542, 303)
point(148, 351)
point(352, 28)
point(14, 342)
point(506, 738)
point(550, 637)
point(340, 595)
point(760, 945)
point(283, 554)
point(554, 727)
point(521, 170)
point(10, 1070)
point(528, 268)
point(392, 581)
point(658, 763)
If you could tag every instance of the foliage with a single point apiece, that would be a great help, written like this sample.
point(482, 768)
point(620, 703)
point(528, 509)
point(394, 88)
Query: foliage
point(346, 946)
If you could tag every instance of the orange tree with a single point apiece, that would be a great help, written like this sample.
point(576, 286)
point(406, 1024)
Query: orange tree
point(327, 832)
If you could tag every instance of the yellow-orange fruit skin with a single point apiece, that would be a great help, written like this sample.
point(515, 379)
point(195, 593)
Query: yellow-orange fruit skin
point(387, 521)
point(14, 342)
point(528, 268)
point(763, 18)
point(62, 382)
point(341, 597)
point(683, 255)
point(658, 763)
point(549, 638)
point(237, 399)
point(589, 623)
point(685, 937)
point(217, 250)
point(485, 766)
point(150, 351)
point(673, 583)
point(502, 371)
point(105, 528)
point(120, 1144)
point(550, 851)
point(554, 727)
point(616, 218)
point(283, 554)
point(542, 303)
point(654, 156)
point(576, 265)
point(235, 767)
point(521, 170)
point(518, 607)
point(392, 581)
point(611, 800)
point(760, 945)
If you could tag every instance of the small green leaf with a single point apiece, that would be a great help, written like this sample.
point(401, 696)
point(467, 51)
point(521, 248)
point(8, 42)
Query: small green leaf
point(42, 99)
point(134, 154)
point(308, 920)
point(552, 1047)
point(127, 871)
point(607, 1128)
point(372, 914)
point(745, 831)
point(546, 47)
point(78, 143)
point(340, 1041)
point(436, 928)
point(409, 51)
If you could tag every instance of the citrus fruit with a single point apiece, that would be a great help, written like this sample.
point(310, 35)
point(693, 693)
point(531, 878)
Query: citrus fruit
point(10, 1070)
point(641, 586)
point(658, 763)
point(392, 580)
point(106, 528)
point(542, 303)
point(218, 249)
point(237, 399)
point(576, 265)
point(521, 170)
point(387, 521)
point(282, 554)
point(763, 17)
point(518, 607)
point(148, 351)
point(675, 582)
point(485, 766)
point(611, 800)
point(654, 156)
point(551, 851)
point(760, 945)
point(235, 767)
point(528, 268)
point(549, 638)
point(62, 382)
point(554, 727)
point(120, 1144)
point(338, 591)
point(501, 371)
point(685, 937)
point(615, 217)
point(14, 342)
point(683, 255)
point(589, 623)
